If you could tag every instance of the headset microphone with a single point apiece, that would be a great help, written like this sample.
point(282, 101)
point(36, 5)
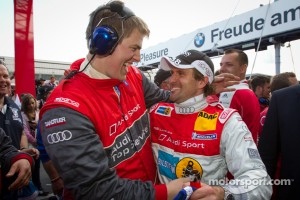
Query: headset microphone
point(74, 72)
point(71, 74)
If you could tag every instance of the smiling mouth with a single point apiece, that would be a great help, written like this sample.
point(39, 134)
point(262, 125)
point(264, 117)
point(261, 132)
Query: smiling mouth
point(125, 66)
point(174, 89)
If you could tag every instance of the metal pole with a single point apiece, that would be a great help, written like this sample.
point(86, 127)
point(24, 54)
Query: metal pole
point(277, 57)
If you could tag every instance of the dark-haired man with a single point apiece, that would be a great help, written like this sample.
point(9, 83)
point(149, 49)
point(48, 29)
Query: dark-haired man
point(260, 85)
point(243, 99)
point(161, 79)
point(192, 138)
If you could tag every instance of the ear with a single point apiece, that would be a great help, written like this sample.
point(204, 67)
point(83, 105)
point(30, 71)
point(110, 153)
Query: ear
point(203, 82)
point(243, 69)
point(259, 89)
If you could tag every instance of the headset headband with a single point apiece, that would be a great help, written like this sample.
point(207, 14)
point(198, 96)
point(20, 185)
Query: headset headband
point(122, 10)
point(116, 7)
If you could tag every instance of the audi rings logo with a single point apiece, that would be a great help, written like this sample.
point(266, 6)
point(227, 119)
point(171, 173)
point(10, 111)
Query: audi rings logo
point(186, 110)
point(59, 137)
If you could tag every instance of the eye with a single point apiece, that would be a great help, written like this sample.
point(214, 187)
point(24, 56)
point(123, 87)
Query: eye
point(135, 48)
point(181, 73)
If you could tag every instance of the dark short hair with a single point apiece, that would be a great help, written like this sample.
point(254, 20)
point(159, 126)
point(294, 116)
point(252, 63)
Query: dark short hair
point(259, 80)
point(43, 91)
point(4, 64)
point(281, 80)
point(242, 56)
point(160, 76)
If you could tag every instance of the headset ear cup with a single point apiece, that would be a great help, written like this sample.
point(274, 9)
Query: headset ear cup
point(103, 40)
point(264, 101)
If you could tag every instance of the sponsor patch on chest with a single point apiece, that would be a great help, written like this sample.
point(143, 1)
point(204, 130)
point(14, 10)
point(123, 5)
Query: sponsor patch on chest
point(164, 110)
point(209, 136)
point(173, 167)
point(206, 121)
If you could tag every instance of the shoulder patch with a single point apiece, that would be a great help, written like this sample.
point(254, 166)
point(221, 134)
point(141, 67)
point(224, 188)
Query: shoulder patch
point(225, 114)
point(225, 98)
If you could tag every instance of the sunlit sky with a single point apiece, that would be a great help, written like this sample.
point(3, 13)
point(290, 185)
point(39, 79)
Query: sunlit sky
point(59, 27)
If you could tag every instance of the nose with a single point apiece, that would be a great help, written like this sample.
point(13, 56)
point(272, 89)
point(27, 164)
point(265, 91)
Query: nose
point(136, 56)
point(222, 69)
point(172, 79)
point(221, 66)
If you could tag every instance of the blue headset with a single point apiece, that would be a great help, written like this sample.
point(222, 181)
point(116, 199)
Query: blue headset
point(264, 101)
point(104, 39)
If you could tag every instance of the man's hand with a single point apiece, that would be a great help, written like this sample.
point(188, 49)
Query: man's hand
point(175, 186)
point(22, 168)
point(58, 187)
point(222, 81)
point(56, 182)
point(207, 192)
point(67, 72)
point(32, 151)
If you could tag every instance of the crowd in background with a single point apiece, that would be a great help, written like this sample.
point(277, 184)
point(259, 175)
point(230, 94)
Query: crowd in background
point(19, 121)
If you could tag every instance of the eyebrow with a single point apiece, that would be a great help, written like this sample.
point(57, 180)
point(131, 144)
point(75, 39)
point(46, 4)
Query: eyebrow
point(137, 47)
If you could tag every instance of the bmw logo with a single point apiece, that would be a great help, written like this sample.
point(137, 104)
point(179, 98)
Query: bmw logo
point(199, 40)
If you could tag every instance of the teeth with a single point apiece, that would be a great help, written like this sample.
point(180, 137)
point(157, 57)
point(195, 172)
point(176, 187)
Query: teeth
point(174, 89)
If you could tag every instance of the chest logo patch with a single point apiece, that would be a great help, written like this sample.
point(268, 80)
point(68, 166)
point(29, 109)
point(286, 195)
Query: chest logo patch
point(164, 110)
point(190, 168)
point(206, 121)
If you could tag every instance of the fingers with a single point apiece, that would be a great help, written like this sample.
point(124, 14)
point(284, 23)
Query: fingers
point(33, 152)
point(36, 153)
point(176, 185)
point(67, 72)
point(12, 171)
point(230, 76)
point(218, 79)
point(208, 192)
point(20, 182)
point(231, 83)
point(23, 169)
point(57, 187)
point(185, 180)
point(226, 77)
